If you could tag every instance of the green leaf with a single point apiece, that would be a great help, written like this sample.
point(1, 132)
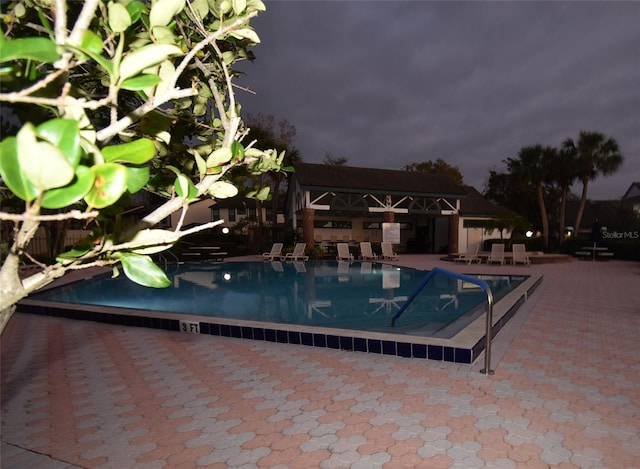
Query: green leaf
point(110, 182)
point(237, 150)
point(141, 270)
point(140, 82)
point(185, 187)
point(19, 11)
point(11, 174)
point(255, 5)
point(68, 195)
point(166, 73)
point(135, 9)
point(228, 57)
point(119, 19)
point(163, 11)
point(224, 7)
point(254, 152)
point(64, 134)
point(152, 241)
point(222, 190)
point(200, 162)
point(201, 7)
point(163, 35)
point(74, 111)
point(155, 122)
point(145, 57)
point(91, 42)
point(69, 256)
point(103, 61)
point(246, 33)
point(200, 108)
point(137, 178)
point(219, 157)
point(239, 6)
point(40, 49)
point(42, 163)
point(136, 152)
point(263, 194)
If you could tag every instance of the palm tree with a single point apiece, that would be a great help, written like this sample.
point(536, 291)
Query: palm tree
point(532, 166)
point(594, 154)
point(564, 174)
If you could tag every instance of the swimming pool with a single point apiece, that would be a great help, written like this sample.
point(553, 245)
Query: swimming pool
point(290, 301)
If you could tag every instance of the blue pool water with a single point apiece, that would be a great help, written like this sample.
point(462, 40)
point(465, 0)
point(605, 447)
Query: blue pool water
point(358, 295)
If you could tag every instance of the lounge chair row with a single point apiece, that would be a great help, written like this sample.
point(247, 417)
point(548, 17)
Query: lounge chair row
point(276, 253)
point(366, 252)
point(497, 255)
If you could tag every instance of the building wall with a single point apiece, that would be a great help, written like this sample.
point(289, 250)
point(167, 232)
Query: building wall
point(198, 212)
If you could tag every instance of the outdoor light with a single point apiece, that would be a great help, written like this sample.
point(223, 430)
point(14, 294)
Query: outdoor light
point(225, 230)
point(226, 276)
point(529, 234)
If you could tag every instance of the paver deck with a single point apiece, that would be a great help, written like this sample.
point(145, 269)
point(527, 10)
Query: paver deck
point(565, 393)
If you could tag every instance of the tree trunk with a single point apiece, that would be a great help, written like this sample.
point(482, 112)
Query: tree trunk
point(57, 235)
point(583, 202)
point(543, 215)
point(563, 210)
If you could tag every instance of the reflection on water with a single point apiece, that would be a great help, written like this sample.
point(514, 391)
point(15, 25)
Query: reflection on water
point(348, 295)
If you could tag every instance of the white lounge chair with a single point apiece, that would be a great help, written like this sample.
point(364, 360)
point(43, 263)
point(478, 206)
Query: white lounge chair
point(387, 252)
point(275, 253)
point(343, 252)
point(497, 254)
point(520, 255)
point(297, 254)
point(469, 257)
point(366, 253)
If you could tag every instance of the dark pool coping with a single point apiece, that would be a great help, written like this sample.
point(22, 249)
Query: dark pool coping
point(464, 347)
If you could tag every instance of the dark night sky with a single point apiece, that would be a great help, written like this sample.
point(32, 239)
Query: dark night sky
point(388, 83)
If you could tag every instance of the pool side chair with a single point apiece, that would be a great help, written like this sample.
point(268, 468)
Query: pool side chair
point(297, 254)
point(469, 257)
point(366, 253)
point(520, 255)
point(275, 253)
point(387, 252)
point(497, 254)
point(343, 252)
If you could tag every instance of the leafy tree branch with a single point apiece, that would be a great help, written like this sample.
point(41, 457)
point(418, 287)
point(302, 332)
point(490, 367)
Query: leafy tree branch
point(114, 98)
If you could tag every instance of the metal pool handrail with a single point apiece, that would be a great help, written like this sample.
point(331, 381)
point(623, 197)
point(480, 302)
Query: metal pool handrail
point(465, 278)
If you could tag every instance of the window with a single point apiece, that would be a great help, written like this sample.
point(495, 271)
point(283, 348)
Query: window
point(474, 223)
point(339, 224)
point(232, 215)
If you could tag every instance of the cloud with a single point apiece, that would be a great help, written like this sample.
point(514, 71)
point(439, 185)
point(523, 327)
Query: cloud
point(385, 84)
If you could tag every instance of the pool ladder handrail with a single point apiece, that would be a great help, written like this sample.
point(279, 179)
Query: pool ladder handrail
point(465, 278)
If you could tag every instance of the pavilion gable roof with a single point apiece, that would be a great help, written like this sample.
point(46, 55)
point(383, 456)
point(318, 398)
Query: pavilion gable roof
point(312, 176)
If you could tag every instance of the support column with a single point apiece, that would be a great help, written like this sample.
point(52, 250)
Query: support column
point(308, 218)
point(454, 222)
point(389, 217)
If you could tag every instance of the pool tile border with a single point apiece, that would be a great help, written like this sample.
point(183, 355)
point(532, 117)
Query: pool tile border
point(400, 348)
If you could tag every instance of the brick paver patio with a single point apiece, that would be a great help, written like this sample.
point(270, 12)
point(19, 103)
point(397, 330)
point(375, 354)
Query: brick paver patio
point(565, 393)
